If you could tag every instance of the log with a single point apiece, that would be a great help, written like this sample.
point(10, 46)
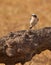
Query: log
point(21, 46)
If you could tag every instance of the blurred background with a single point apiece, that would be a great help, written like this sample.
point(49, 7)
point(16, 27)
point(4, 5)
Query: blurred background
point(15, 15)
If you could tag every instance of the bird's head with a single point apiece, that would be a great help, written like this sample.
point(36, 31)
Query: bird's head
point(35, 16)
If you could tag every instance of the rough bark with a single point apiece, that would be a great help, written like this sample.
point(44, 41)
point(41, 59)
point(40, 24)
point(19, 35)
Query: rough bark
point(9, 64)
point(21, 46)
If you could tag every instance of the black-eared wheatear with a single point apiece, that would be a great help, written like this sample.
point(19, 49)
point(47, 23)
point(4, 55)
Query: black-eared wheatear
point(33, 21)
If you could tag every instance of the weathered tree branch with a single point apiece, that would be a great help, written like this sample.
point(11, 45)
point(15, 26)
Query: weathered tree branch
point(21, 46)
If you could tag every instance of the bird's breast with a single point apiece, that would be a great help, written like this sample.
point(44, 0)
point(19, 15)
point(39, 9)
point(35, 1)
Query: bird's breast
point(33, 21)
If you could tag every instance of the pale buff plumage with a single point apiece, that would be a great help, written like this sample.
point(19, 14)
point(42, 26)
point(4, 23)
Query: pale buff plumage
point(33, 21)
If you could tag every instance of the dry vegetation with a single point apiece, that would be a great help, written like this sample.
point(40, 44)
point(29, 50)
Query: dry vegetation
point(15, 15)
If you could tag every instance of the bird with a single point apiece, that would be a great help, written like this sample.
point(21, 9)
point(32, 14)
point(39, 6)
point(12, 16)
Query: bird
point(33, 21)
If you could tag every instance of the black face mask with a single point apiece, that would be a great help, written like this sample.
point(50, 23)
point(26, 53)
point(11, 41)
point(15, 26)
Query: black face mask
point(34, 16)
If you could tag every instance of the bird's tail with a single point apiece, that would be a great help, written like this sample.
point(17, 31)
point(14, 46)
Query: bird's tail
point(30, 27)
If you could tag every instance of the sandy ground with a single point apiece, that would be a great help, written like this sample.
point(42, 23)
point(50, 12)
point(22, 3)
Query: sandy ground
point(15, 15)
